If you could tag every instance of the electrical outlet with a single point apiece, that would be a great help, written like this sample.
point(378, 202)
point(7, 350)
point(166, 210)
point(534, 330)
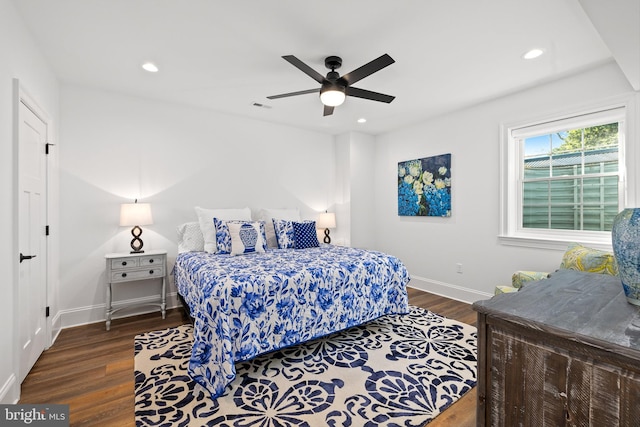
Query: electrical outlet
point(459, 268)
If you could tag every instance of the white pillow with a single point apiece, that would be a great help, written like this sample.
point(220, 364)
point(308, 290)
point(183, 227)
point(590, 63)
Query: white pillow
point(190, 237)
point(246, 238)
point(205, 219)
point(267, 215)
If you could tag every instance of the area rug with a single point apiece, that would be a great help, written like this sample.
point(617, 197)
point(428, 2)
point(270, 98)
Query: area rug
point(398, 370)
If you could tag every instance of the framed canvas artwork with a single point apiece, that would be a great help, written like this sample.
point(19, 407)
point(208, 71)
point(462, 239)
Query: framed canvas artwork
point(424, 186)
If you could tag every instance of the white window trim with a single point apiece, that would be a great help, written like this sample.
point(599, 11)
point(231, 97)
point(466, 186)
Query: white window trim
point(510, 231)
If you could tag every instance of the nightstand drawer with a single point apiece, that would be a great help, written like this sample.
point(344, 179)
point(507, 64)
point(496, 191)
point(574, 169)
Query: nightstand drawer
point(151, 260)
point(137, 274)
point(120, 263)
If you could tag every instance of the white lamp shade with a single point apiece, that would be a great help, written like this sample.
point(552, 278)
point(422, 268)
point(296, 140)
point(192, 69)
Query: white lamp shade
point(326, 220)
point(135, 214)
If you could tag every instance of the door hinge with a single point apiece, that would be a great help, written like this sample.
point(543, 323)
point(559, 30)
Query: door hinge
point(46, 147)
point(47, 312)
point(46, 230)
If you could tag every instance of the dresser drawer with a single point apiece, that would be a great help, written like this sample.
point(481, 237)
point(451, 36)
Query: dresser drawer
point(120, 263)
point(137, 274)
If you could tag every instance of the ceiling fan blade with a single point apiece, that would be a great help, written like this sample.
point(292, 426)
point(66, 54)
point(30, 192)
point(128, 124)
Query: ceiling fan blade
point(367, 94)
point(304, 68)
point(368, 69)
point(301, 92)
point(328, 110)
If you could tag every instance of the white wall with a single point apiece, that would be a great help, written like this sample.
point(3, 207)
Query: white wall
point(355, 196)
point(341, 235)
point(20, 59)
point(431, 247)
point(116, 148)
point(361, 172)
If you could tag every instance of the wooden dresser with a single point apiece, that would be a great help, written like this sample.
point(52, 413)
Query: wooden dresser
point(561, 352)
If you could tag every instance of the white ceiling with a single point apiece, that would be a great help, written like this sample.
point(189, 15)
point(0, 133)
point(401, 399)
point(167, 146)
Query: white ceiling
point(226, 55)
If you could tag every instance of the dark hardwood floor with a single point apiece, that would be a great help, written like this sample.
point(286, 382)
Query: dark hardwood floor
point(91, 369)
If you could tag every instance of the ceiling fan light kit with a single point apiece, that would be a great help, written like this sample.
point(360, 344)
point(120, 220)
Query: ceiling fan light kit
point(332, 95)
point(333, 88)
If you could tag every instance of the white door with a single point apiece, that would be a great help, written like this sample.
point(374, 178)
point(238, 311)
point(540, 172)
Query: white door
point(32, 284)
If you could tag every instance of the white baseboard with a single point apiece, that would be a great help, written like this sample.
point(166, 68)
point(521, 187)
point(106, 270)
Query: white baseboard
point(455, 292)
point(10, 391)
point(56, 327)
point(96, 313)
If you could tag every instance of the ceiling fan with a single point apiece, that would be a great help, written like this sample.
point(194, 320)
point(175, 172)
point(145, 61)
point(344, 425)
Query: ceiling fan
point(334, 89)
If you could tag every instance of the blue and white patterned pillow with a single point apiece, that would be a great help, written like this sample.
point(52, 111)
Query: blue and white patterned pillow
point(284, 233)
point(305, 235)
point(247, 237)
point(223, 237)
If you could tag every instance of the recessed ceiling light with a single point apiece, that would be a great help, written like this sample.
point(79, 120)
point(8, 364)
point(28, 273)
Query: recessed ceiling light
point(362, 120)
point(533, 53)
point(150, 67)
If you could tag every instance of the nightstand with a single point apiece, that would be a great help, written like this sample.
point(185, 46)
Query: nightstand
point(125, 267)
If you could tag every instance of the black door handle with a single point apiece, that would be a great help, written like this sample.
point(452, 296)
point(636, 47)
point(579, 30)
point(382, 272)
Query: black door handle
point(23, 257)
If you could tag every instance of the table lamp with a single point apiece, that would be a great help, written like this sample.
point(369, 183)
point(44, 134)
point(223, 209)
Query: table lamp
point(136, 214)
point(326, 220)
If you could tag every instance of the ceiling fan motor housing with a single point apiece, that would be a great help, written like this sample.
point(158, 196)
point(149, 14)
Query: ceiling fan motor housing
point(332, 85)
point(333, 76)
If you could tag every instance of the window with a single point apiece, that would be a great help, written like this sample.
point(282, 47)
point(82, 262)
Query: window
point(570, 178)
point(563, 179)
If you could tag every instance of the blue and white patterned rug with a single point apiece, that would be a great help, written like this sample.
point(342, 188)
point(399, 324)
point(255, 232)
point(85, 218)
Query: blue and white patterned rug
point(400, 370)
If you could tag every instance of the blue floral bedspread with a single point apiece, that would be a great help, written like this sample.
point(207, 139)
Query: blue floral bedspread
point(247, 305)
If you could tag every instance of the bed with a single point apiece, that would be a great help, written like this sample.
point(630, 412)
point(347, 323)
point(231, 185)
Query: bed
point(244, 306)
